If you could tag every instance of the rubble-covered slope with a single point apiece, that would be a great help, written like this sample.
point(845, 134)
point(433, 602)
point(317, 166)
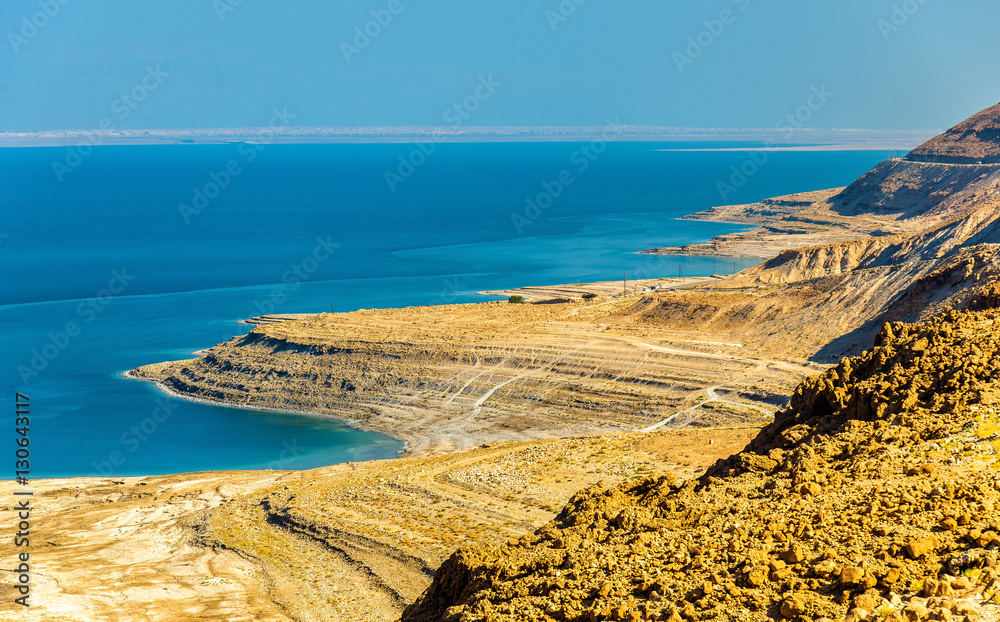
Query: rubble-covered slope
point(977, 139)
point(872, 496)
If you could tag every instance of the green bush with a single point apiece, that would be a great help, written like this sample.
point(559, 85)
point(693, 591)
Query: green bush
point(516, 300)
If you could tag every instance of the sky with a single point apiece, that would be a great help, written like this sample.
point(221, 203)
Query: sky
point(878, 64)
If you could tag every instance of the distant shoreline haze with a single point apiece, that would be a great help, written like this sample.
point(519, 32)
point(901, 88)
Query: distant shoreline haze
point(787, 138)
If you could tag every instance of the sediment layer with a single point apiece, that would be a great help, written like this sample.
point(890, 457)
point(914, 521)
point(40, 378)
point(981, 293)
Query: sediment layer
point(453, 377)
point(874, 493)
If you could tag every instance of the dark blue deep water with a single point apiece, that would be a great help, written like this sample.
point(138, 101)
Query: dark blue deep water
point(142, 254)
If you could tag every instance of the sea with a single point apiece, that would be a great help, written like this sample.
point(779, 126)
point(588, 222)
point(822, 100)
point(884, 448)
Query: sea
point(116, 256)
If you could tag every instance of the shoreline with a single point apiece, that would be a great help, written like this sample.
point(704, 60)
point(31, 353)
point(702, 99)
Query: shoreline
point(219, 544)
point(775, 225)
point(571, 523)
point(534, 295)
point(415, 444)
point(402, 453)
point(768, 139)
point(460, 441)
point(466, 399)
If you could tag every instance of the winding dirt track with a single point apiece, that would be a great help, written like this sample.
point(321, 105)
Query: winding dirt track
point(453, 377)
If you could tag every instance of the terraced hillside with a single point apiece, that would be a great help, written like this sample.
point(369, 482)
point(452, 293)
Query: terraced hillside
point(361, 544)
point(452, 377)
point(905, 241)
point(873, 496)
point(347, 542)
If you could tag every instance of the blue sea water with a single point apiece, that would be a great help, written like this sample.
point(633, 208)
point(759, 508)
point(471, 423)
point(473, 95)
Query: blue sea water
point(131, 255)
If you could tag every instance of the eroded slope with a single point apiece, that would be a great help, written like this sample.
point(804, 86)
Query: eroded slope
point(977, 139)
point(452, 377)
point(360, 541)
point(873, 495)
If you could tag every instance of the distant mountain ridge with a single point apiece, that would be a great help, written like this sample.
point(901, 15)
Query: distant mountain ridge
point(973, 141)
point(906, 241)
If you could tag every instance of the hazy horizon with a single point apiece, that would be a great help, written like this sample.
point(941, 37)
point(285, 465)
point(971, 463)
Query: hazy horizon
point(473, 128)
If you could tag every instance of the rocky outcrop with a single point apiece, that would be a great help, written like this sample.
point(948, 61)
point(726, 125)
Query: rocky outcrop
point(926, 193)
point(872, 496)
point(975, 140)
point(813, 262)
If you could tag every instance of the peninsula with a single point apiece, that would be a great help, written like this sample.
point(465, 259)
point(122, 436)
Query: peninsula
point(811, 438)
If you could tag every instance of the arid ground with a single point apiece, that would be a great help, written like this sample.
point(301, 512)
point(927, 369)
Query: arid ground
point(866, 487)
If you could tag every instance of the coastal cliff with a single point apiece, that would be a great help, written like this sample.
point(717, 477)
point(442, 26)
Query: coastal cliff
point(870, 493)
point(873, 495)
point(902, 243)
point(452, 377)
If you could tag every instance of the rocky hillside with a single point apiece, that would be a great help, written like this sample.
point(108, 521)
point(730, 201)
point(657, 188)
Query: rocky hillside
point(452, 377)
point(939, 182)
point(977, 139)
point(924, 235)
point(918, 195)
point(913, 216)
point(977, 231)
point(872, 496)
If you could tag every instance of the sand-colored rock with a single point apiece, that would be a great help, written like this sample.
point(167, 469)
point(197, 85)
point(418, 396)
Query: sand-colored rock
point(453, 377)
point(922, 392)
point(873, 495)
point(356, 541)
point(977, 139)
point(126, 549)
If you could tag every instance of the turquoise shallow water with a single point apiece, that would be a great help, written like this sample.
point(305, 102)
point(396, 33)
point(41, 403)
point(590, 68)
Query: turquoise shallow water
point(105, 271)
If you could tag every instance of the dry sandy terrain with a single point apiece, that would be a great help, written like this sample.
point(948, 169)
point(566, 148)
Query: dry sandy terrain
point(494, 401)
point(576, 291)
point(452, 377)
point(124, 550)
point(349, 542)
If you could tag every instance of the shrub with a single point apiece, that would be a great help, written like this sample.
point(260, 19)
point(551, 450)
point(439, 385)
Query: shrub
point(516, 300)
point(589, 296)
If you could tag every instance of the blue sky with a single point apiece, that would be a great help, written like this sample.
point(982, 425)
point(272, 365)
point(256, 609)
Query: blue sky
point(889, 64)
